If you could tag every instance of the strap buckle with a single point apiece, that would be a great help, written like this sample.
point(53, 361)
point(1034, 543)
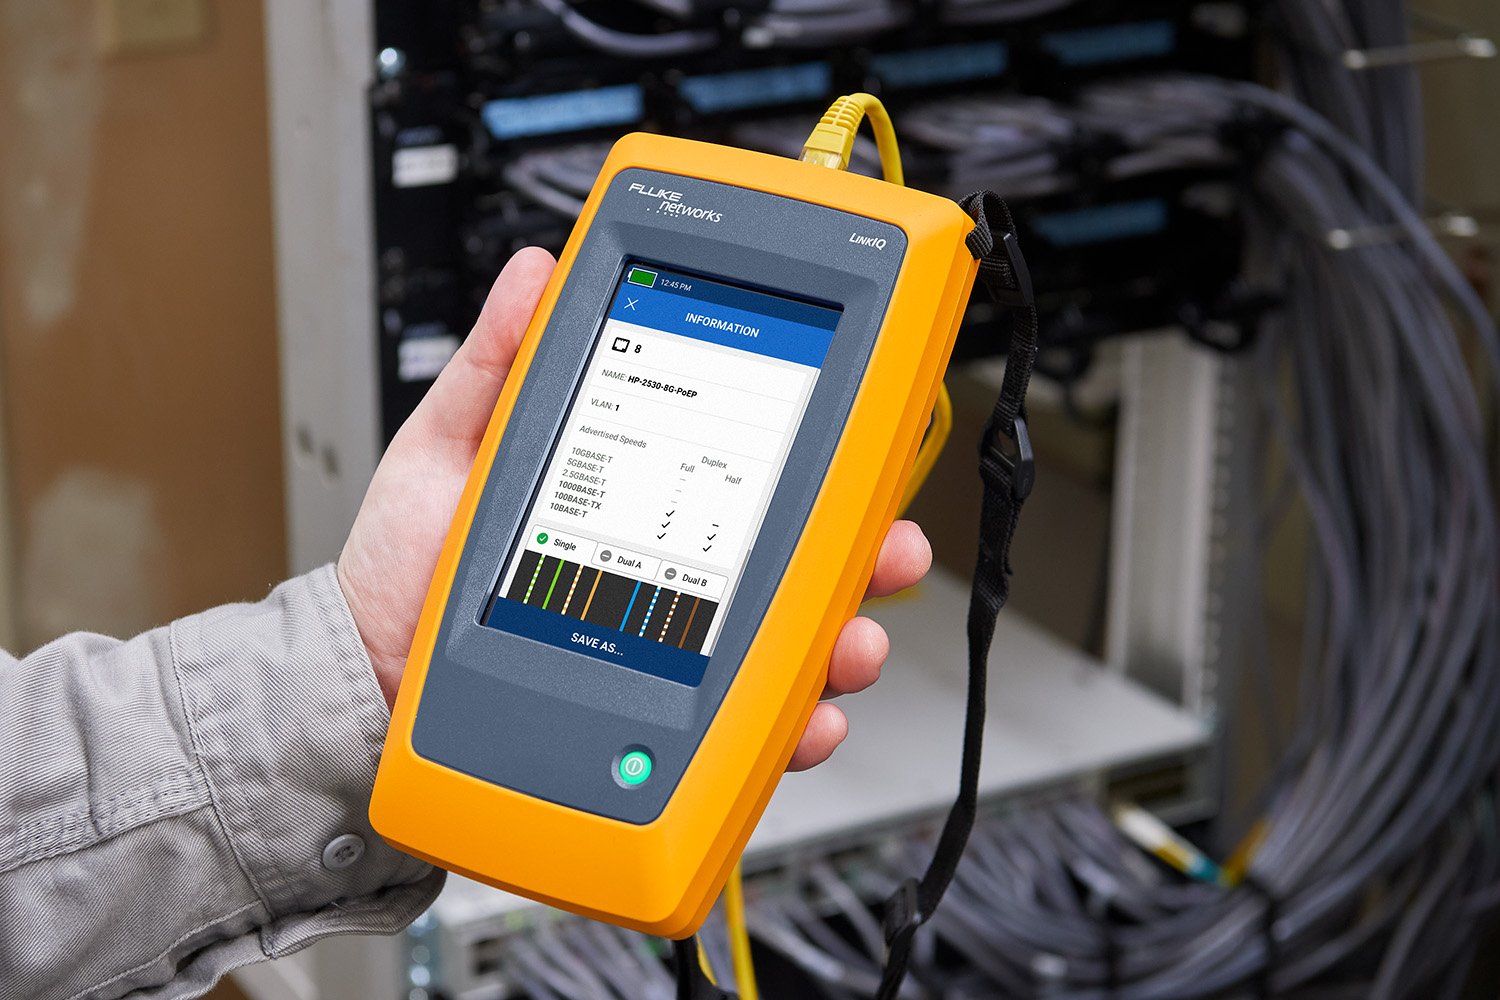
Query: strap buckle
point(1016, 292)
point(902, 917)
point(1021, 296)
point(1008, 458)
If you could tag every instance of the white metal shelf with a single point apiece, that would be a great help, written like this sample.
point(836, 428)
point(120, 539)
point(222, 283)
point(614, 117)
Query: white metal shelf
point(1054, 715)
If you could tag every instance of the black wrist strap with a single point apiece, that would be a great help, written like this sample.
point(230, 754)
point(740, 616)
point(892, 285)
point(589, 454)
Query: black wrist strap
point(1007, 470)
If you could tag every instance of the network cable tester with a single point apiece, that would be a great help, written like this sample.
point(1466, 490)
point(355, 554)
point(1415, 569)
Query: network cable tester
point(676, 507)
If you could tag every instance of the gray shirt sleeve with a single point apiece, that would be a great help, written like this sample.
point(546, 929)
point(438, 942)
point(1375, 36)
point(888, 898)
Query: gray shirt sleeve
point(167, 804)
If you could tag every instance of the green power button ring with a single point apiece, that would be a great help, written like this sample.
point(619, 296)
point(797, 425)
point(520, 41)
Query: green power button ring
point(634, 768)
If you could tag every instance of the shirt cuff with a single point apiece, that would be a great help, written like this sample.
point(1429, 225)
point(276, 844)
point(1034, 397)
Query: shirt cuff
point(287, 723)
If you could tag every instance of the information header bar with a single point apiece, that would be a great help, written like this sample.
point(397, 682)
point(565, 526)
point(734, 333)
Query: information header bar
point(755, 322)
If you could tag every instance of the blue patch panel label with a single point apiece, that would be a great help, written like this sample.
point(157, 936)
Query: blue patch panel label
point(1114, 44)
point(569, 111)
point(1120, 221)
point(712, 93)
point(941, 64)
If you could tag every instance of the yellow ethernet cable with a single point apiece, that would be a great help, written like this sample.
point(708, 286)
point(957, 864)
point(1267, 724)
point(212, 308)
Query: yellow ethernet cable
point(832, 139)
point(932, 446)
point(829, 145)
point(739, 936)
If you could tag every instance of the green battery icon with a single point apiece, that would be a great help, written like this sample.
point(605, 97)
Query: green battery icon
point(641, 276)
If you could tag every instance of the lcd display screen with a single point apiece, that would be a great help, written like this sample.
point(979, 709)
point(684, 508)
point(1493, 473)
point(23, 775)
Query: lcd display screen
point(659, 479)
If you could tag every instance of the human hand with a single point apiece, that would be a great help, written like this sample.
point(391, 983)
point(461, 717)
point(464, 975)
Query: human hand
point(393, 548)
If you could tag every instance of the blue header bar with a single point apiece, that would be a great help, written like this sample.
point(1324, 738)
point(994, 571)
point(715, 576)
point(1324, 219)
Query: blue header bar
point(756, 322)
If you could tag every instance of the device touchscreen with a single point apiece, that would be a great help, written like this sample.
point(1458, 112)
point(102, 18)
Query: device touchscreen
point(662, 471)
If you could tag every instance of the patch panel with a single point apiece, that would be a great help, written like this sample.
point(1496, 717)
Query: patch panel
point(475, 85)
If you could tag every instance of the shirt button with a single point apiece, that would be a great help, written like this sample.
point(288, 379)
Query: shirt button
point(343, 851)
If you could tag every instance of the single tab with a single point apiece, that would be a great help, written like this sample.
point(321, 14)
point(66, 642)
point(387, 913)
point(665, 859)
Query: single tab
point(571, 548)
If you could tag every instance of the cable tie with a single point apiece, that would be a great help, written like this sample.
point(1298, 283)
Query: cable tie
point(1463, 46)
point(1452, 224)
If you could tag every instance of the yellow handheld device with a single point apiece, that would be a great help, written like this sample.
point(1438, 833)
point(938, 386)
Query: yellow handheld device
point(677, 505)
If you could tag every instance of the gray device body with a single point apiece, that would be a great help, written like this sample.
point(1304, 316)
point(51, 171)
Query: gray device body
point(551, 723)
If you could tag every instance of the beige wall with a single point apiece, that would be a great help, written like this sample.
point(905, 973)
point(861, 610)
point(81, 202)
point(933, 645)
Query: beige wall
point(8, 637)
point(137, 321)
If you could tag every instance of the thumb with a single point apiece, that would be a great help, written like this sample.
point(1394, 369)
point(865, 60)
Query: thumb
point(457, 408)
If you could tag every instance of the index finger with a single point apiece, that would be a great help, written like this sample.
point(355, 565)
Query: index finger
point(905, 557)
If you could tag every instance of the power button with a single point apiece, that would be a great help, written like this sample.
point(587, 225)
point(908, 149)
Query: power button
point(634, 768)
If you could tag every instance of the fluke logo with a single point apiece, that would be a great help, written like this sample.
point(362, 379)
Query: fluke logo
point(878, 242)
point(670, 203)
point(656, 192)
